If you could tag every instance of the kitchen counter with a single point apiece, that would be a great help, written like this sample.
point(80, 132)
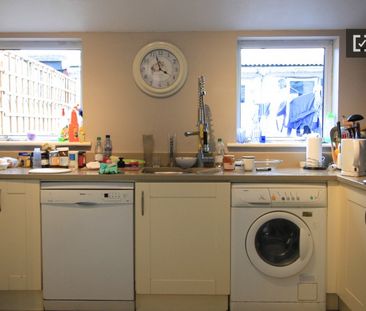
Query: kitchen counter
point(277, 175)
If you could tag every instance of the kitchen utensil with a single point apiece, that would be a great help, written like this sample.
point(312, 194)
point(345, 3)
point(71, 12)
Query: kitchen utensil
point(267, 164)
point(185, 162)
point(334, 136)
point(354, 118)
point(148, 147)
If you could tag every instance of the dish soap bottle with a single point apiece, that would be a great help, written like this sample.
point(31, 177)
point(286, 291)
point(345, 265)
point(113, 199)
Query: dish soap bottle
point(98, 152)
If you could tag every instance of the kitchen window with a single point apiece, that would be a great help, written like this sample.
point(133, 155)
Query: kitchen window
point(40, 84)
point(285, 89)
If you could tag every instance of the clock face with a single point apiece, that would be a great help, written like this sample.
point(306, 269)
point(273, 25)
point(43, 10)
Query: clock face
point(160, 69)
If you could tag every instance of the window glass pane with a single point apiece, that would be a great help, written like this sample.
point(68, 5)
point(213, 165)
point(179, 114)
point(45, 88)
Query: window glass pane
point(281, 92)
point(40, 89)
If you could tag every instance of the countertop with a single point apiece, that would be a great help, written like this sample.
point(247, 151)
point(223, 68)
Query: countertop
point(276, 175)
point(238, 175)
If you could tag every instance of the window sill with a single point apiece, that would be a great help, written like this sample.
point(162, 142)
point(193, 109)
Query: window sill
point(30, 145)
point(280, 147)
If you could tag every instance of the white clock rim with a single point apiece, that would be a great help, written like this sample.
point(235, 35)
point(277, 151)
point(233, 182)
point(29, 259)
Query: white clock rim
point(174, 87)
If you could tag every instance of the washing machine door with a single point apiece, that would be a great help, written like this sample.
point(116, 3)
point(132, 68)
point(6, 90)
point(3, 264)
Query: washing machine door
point(279, 244)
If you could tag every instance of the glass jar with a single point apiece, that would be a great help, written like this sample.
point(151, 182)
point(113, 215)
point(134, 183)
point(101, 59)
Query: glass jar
point(45, 162)
point(82, 159)
point(24, 159)
point(229, 162)
point(63, 154)
point(54, 158)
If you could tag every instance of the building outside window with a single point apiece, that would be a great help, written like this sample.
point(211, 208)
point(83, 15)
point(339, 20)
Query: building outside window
point(40, 85)
point(284, 91)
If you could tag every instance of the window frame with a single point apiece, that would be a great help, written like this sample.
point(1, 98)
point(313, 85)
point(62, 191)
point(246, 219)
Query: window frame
point(33, 43)
point(330, 104)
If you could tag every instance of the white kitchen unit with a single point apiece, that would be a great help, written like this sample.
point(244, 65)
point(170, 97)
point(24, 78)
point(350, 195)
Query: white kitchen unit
point(351, 286)
point(87, 246)
point(278, 239)
point(20, 242)
point(182, 241)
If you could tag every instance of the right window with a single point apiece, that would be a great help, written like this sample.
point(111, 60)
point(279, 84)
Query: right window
point(284, 89)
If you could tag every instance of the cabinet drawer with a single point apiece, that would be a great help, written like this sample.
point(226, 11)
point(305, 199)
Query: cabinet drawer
point(191, 190)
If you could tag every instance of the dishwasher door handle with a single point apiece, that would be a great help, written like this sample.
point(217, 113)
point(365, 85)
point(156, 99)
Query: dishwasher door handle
point(86, 204)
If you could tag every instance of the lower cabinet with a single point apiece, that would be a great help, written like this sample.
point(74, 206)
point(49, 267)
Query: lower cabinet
point(20, 245)
point(351, 287)
point(182, 238)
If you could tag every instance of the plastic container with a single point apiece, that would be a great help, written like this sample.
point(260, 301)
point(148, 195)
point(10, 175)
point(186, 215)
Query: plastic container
point(98, 150)
point(37, 160)
point(73, 159)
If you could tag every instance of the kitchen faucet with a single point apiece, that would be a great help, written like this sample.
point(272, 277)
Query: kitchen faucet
point(204, 156)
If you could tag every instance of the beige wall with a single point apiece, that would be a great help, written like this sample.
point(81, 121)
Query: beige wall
point(114, 105)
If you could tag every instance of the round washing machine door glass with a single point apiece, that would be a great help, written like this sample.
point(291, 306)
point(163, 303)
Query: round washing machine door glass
point(279, 244)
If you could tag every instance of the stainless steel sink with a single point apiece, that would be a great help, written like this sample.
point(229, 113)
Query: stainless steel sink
point(178, 170)
point(163, 170)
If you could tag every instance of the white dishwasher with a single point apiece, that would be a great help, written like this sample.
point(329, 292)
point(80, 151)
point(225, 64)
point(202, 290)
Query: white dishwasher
point(87, 246)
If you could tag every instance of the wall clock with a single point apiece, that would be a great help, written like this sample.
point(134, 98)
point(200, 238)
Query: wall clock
point(160, 69)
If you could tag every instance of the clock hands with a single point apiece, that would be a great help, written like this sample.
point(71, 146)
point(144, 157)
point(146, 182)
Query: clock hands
point(159, 65)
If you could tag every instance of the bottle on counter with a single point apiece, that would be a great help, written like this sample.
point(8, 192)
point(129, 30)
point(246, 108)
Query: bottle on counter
point(107, 147)
point(220, 152)
point(98, 150)
point(37, 158)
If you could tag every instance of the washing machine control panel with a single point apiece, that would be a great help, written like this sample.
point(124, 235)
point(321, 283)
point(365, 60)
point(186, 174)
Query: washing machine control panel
point(279, 195)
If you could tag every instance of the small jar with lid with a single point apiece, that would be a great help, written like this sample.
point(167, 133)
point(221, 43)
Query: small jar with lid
point(45, 159)
point(24, 159)
point(82, 159)
point(63, 154)
point(229, 162)
point(54, 158)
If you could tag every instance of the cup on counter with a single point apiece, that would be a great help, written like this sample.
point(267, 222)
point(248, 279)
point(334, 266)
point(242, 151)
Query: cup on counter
point(229, 162)
point(249, 163)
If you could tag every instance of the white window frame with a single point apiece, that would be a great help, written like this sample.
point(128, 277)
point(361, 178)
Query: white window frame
point(38, 44)
point(330, 99)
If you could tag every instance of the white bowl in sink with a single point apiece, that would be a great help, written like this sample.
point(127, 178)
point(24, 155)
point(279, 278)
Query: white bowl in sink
point(185, 162)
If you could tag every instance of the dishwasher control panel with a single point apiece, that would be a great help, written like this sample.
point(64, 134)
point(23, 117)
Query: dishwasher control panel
point(95, 196)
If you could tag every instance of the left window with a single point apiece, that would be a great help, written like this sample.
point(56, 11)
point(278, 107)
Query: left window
point(40, 87)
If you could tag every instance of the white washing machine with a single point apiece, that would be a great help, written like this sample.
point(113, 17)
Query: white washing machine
point(278, 245)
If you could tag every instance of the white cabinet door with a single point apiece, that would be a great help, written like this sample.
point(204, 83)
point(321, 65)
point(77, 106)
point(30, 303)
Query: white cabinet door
point(352, 288)
point(20, 245)
point(182, 238)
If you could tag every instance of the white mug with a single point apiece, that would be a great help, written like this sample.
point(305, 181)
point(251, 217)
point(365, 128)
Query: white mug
point(248, 162)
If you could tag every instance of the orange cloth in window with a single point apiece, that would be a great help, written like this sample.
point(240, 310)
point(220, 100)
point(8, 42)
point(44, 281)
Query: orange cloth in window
point(74, 127)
